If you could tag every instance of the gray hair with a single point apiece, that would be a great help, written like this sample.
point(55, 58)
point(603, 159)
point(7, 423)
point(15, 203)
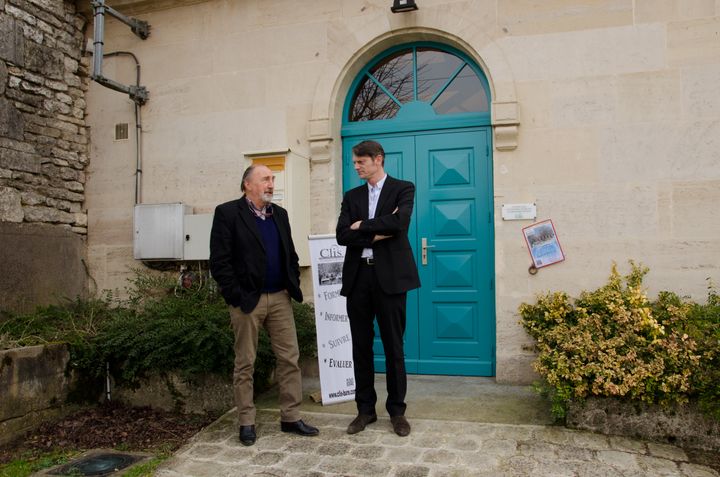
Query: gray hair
point(246, 176)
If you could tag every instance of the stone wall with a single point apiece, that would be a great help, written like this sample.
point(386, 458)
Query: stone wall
point(682, 425)
point(42, 264)
point(34, 387)
point(43, 136)
point(207, 394)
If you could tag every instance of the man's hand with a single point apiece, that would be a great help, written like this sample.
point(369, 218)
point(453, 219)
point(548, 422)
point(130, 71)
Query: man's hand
point(381, 237)
point(356, 225)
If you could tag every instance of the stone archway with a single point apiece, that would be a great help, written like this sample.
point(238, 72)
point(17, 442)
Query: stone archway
point(351, 52)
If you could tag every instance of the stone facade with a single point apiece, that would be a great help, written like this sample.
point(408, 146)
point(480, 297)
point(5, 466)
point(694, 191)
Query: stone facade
point(683, 425)
point(43, 136)
point(35, 385)
point(42, 264)
point(43, 152)
point(605, 113)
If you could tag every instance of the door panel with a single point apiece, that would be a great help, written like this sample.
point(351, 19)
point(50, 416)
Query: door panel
point(457, 326)
point(451, 318)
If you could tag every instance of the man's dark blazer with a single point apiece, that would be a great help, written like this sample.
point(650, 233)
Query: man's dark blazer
point(394, 262)
point(237, 254)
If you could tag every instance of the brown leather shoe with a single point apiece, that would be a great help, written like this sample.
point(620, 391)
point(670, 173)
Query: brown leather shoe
point(358, 424)
point(400, 425)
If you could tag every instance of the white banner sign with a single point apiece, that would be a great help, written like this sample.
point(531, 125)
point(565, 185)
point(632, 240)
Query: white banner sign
point(337, 380)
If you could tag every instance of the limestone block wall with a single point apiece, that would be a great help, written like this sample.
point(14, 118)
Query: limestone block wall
point(34, 384)
point(606, 114)
point(618, 144)
point(43, 136)
point(208, 106)
point(683, 425)
point(43, 152)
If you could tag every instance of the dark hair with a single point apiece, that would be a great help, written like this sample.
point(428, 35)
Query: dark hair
point(246, 174)
point(369, 148)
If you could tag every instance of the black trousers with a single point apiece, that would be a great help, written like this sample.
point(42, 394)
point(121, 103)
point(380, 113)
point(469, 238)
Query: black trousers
point(366, 302)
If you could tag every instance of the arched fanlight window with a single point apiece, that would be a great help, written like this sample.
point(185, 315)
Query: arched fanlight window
point(438, 78)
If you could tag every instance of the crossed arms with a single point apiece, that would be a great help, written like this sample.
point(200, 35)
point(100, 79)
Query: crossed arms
point(351, 231)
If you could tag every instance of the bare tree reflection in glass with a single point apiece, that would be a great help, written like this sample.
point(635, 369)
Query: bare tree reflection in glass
point(441, 78)
point(396, 75)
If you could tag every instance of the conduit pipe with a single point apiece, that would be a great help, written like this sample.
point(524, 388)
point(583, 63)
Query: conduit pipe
point(138, 126)
point(139, 94)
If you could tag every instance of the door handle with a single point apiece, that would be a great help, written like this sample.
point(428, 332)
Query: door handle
point(425, 246)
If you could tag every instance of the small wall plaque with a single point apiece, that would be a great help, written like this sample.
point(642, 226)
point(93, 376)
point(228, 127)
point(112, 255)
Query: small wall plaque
point(519, 211)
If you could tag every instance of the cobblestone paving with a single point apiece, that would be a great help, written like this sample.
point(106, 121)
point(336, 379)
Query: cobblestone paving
point(433, 449)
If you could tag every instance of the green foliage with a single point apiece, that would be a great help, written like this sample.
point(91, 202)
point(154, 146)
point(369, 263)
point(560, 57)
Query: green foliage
point(27, 464)
point(178, 330)
point(703, 326)
point(614, 342)
point(160, 328)
point(73, 321)
point(146, 469)
point(305, 325)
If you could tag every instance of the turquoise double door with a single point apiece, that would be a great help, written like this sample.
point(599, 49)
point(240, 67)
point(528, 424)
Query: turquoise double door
point(451, 317)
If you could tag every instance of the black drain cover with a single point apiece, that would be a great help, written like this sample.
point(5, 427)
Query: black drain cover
point(97, 465)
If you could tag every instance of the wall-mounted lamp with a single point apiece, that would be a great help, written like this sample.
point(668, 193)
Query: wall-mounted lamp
point(400, 6)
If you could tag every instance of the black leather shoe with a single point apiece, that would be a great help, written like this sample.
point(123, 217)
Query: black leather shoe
point(247, 435)
point(400, 425)
point(358, 424)
point(300, 428)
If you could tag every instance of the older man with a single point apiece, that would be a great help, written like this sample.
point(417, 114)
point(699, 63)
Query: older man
point(253, 260)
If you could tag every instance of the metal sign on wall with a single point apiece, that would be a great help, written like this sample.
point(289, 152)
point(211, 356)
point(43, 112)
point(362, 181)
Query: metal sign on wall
point(519, 211)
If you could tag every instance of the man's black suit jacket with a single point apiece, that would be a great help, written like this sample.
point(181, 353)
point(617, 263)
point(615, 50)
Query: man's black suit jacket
point(237, 254)
point(394, 261)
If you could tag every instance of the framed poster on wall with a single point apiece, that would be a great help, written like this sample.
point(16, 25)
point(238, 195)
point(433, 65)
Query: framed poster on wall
point(543, 244)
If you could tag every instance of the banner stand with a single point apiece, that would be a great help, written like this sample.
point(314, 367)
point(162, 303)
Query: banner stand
point(334, 343)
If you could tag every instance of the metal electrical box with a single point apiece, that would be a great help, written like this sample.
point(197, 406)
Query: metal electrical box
point(197, 236)
point(159, 231)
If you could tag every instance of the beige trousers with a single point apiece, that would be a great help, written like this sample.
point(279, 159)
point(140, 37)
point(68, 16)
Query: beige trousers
point(274, 313)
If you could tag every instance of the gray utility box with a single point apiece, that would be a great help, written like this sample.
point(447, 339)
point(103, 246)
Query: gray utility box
point(170, 232)
point(197, 236)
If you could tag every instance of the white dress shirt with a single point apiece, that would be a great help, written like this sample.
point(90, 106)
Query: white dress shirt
point(373, 196)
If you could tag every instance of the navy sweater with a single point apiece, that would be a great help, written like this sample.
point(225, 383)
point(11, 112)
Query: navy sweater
point(273, 270)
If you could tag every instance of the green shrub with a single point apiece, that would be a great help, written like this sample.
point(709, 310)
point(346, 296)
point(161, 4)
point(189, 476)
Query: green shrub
point(167, 330)
point(703, 326)
point(612, 342)
point(72, 321)
point(160, 328)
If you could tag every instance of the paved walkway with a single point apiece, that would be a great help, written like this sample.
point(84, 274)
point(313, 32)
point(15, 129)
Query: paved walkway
point(457, 443)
